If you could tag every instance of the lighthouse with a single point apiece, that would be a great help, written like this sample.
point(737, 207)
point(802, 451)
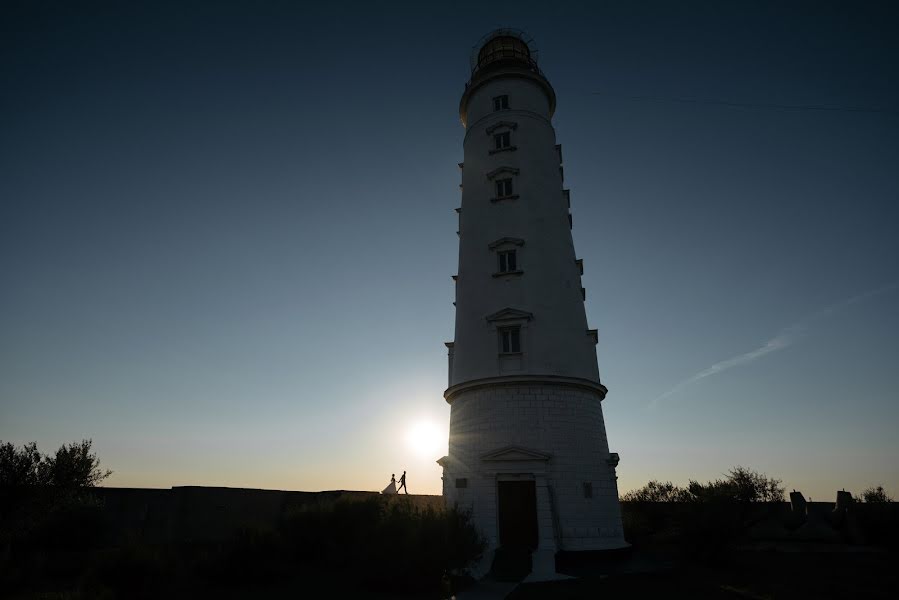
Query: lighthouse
point(527, 453)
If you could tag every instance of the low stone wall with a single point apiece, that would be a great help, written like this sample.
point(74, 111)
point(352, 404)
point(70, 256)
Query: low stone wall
point(214, 514)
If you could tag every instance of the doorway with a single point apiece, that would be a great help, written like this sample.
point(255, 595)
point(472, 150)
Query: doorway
point(517, 504)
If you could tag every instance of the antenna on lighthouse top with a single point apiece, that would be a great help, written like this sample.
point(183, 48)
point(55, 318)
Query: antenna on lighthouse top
point(505, 46)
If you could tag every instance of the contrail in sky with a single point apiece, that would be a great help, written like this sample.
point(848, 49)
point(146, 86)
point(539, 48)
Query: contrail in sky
point(783, 339)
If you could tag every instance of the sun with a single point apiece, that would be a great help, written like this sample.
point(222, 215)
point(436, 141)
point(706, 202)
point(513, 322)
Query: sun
point(425, 439)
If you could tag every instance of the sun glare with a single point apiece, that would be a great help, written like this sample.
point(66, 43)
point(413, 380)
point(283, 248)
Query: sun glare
point(425, 439)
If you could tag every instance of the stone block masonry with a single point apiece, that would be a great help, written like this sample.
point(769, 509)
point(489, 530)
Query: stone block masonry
point(566, 424)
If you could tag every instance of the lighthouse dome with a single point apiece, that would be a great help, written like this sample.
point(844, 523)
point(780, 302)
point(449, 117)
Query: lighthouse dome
point(504, 53)
point(504, 47)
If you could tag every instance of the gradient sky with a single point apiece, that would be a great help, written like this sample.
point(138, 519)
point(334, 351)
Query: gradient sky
point(227, 234)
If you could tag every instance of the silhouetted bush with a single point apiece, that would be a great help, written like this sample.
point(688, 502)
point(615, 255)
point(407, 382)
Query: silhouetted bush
point(377, 544)
point(876, 494)
point(655, 491)
point(42, 497)
point(19, 466)
point(71, 466)
point(879, 523)
point(132, 571)
point(48, 534)
point(702, 518)
point(385, 544)
point(741, 485)
point(49, 519)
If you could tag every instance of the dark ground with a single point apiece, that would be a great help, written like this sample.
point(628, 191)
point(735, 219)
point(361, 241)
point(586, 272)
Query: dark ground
point(362, 549)
point(789, 572)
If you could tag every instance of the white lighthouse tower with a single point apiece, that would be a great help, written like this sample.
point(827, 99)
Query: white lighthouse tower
point(528, 453)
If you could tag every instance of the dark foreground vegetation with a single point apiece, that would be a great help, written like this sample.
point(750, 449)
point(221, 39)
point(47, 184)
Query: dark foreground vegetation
point(737, 538)
point(57, 540)
point(748, 507)
point(370, 545)
point(730, 538)
point(747, 575)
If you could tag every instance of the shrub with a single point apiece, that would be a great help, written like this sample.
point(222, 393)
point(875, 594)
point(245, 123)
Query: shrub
point(49, 520)
point(703, 518)
point(72, 466)
point(876, 495)
point(655, 491)
point(19, 466)
point(132, 571)
point(384, 544)
point(741, 485)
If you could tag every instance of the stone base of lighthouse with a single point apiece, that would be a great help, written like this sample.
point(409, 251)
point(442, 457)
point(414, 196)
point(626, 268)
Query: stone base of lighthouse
point(529, 458)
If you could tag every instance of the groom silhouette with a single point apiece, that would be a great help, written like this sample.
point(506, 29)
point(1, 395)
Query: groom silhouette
point(402, 484)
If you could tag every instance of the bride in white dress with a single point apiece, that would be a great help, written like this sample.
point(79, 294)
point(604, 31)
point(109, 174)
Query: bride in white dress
point(390, 489)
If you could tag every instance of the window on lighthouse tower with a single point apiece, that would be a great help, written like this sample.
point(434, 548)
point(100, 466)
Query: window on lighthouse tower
point(510, 340)
point(504, 187)
point(501, 103)
point(507, 261)
point(502, 140)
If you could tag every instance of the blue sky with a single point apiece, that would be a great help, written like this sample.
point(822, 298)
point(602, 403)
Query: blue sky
point(227, 234)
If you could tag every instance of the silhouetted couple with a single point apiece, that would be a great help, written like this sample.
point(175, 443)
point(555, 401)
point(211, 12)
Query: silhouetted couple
point(392, 489)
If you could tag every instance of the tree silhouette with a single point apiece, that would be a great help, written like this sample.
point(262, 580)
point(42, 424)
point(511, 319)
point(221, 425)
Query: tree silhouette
point(71, 466)
point(19, 466)
point(740, 484)
point(876, 495)
point(656, 491)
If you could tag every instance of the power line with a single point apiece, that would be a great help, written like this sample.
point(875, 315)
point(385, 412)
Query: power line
point(806, 107)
